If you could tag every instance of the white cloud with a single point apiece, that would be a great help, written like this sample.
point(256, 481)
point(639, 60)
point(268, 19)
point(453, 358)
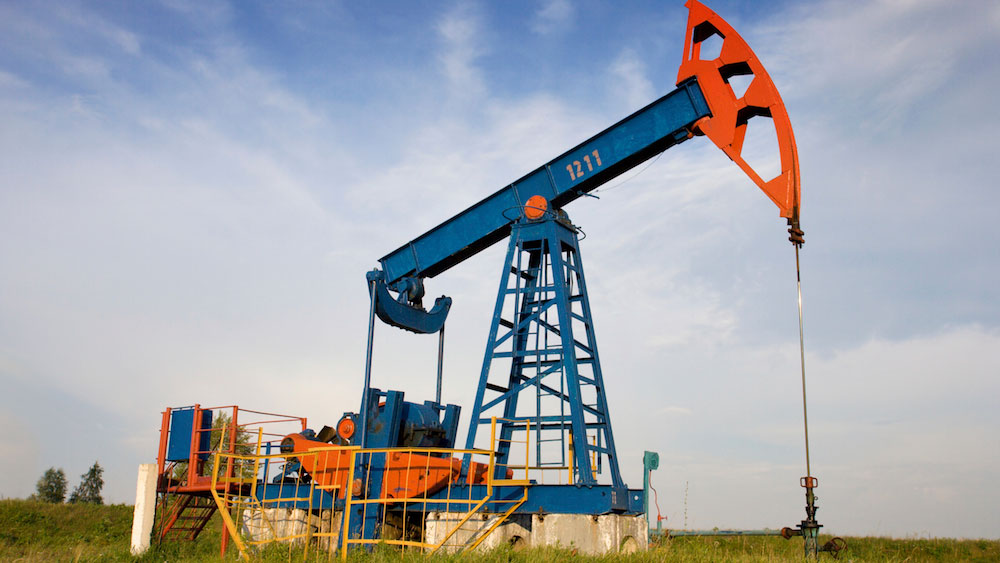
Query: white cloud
point(211, 14)
point(461, 31)
point(553, 16)
point(882, 57)
point(634, 87)
point(473, 156)
point(124, 39)
point(926, 371)
point(19, 444)
point(911, 427)
point(901, 434)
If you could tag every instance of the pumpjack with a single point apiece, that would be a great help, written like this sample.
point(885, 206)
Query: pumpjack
point(541, 382)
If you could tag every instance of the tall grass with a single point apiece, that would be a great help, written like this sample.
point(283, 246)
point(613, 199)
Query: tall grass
point(36, 531)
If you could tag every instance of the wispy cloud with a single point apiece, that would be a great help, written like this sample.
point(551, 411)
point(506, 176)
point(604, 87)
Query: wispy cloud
point(90, 23)
point(634, 88)
point(883, 58)
point(553, 16)
point(460, 31)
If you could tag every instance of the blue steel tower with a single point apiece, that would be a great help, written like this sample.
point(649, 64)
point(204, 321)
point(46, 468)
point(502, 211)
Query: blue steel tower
point(541, 372)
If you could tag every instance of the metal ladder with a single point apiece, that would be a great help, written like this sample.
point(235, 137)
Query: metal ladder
point(185, 517)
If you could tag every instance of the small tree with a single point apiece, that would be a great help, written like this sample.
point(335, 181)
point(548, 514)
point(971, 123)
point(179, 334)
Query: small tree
point(52, 486)
point(221, 439)
point(89, 489)
point(222, 427)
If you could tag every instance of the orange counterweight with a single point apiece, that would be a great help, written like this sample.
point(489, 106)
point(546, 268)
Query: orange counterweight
point(407, 474)
point(727, 126)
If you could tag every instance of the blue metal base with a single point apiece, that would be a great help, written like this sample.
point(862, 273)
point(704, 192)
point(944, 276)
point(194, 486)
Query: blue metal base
point(542, 499)
point(550, 499)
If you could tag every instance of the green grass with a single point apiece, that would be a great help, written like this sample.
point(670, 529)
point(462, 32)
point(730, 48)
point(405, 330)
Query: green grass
point(37, 531)
point(41, 531)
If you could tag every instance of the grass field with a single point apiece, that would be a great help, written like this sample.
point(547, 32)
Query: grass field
point(36, 531)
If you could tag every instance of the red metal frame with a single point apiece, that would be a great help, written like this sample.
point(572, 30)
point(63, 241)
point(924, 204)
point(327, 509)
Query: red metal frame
point(197, 483)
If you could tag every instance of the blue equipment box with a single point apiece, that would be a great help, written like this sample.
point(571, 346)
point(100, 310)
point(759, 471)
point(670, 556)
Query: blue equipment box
point(181, 428)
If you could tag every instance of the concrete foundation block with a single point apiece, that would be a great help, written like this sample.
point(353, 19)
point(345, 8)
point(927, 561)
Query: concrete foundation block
point(591, 535)
point(281, 523)
point(583, 533)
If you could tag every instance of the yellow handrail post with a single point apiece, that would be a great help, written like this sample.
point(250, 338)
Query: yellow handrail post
point(593, 458)
point(569, 454)
point(256, 464)
point(227, 519)
point(493, 452)
point(527, 447)
point(345, 537)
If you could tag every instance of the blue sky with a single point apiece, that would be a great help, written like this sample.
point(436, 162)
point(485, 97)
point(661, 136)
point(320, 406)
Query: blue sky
point(191, 192)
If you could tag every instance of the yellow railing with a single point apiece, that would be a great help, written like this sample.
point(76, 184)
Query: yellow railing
point(403, 507)
point(532, 468)
point(252, 519)
point(497, 442)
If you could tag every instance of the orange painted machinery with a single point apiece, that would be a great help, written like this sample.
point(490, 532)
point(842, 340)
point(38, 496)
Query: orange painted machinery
point(406, 474)
point(398, 431)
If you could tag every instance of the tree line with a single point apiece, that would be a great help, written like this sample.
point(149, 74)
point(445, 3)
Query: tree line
point(51, 487)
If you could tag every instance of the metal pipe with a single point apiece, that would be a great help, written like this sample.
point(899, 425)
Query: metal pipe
point(437, 396)
point(368, 367)
point(679, 533)
point(809, 527)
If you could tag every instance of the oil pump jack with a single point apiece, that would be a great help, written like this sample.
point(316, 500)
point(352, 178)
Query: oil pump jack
point(541, 364)
point(541, 382)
